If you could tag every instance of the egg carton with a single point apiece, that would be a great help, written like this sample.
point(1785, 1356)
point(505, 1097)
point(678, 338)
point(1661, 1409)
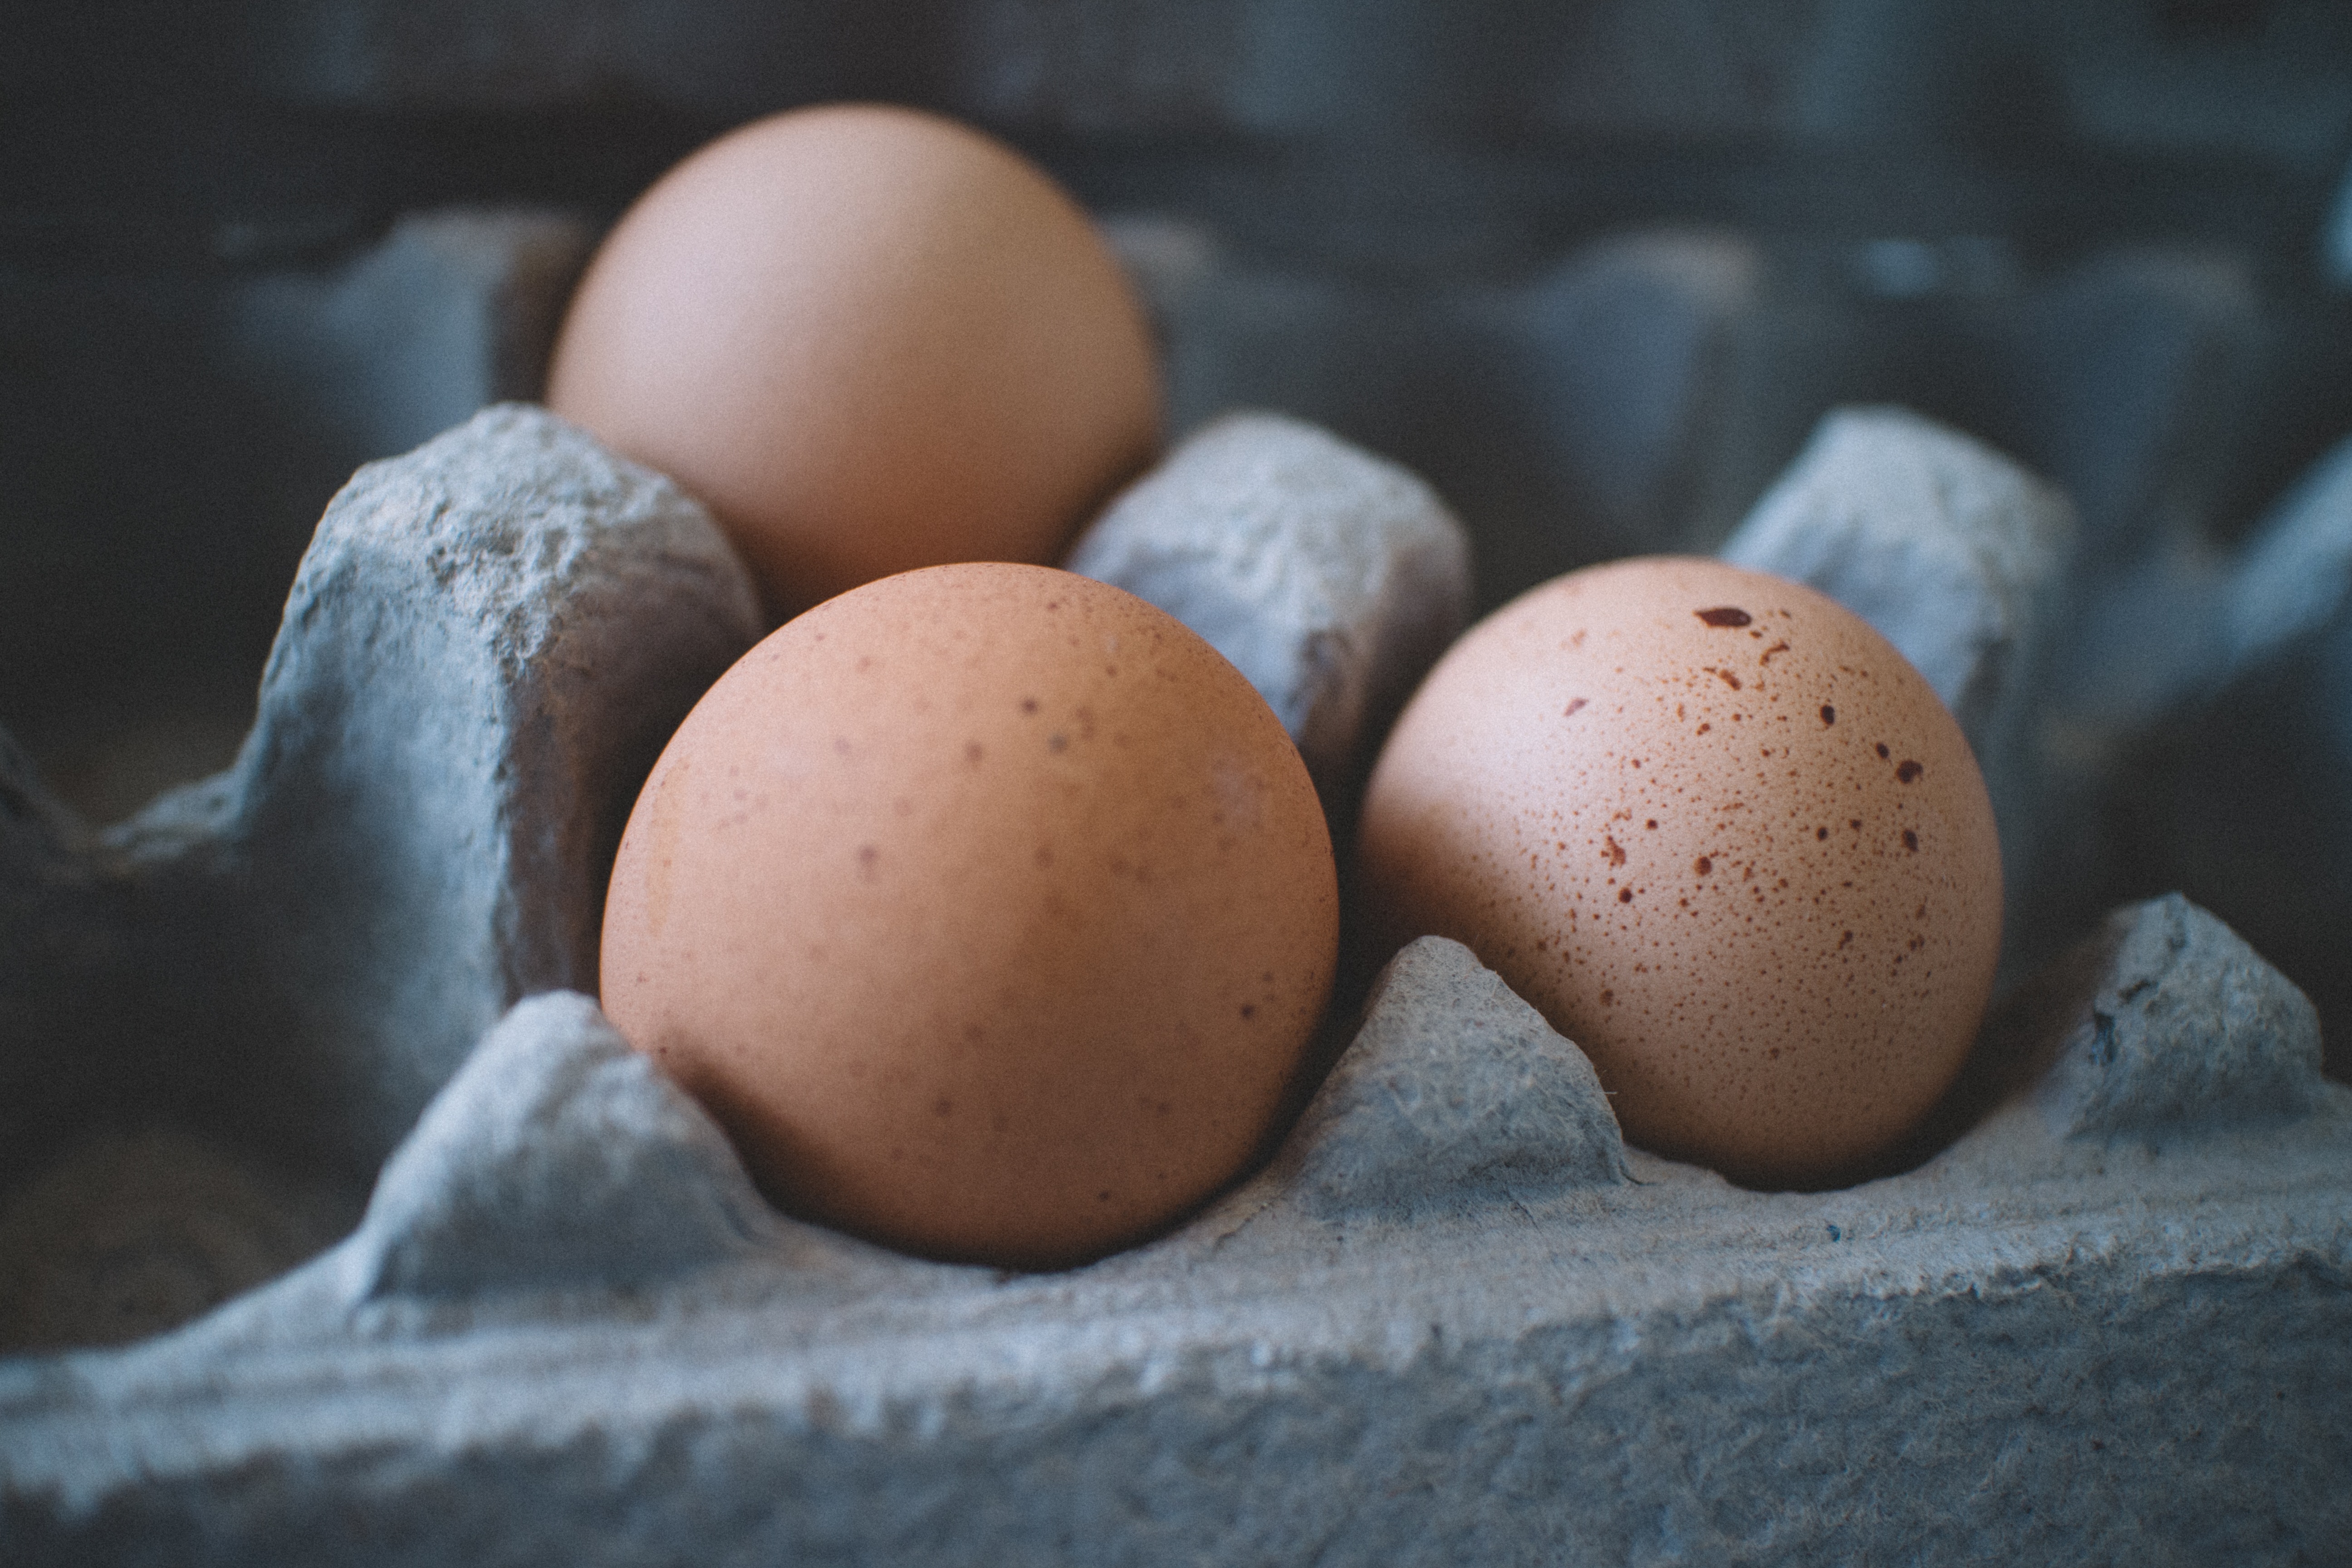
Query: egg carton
point(2100, 1310)
point(1630, 392)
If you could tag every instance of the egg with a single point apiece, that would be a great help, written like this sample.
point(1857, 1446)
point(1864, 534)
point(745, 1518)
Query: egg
point(868, 339)
point(987, 907)
point(1721, 834)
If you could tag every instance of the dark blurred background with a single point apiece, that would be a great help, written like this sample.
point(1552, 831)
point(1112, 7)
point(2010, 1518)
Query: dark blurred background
point(1594, 267)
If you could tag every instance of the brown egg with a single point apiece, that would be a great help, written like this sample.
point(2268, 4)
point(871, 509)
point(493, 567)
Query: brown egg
point(869, 340)
point(1720, 834)
point(987, 907)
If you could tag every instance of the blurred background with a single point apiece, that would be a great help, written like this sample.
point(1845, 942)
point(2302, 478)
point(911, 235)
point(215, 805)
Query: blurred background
point(1595, 267)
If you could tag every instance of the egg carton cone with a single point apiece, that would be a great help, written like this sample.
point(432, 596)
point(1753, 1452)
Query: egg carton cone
point(344, 1227)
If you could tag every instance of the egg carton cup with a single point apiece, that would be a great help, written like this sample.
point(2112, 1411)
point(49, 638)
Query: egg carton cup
point(2100, 1310)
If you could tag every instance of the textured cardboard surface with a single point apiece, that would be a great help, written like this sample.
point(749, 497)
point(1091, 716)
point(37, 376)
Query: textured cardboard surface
point(2105, 1316)
point(2065, 1348)
point(1330, 578)
point(488, 642)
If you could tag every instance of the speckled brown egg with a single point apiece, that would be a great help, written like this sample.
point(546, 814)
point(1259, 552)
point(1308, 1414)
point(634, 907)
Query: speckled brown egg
point(1723, 836)
point(869, 338)
point(987, 907)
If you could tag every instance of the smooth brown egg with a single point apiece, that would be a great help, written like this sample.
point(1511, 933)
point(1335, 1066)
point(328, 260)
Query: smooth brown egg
point(1723, 836)
point(987, 907)
point(868, 339)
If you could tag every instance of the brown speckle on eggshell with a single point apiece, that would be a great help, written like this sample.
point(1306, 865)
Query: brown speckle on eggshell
point(1781, 976)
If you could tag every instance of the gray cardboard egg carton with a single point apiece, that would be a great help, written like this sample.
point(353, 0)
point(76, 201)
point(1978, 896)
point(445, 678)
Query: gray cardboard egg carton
point(410, 1259)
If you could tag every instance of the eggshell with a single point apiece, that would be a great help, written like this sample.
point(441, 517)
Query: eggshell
point(987, 907)
point(1722, 836)
point(869, 338)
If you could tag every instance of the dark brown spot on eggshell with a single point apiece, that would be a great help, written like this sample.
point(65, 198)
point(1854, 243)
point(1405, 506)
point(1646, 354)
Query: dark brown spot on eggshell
point(1724, 616)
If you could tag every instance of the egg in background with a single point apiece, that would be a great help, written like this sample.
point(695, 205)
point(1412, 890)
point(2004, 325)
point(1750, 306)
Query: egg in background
point(869, 338)
point(988, 907)
point(1722, 836)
